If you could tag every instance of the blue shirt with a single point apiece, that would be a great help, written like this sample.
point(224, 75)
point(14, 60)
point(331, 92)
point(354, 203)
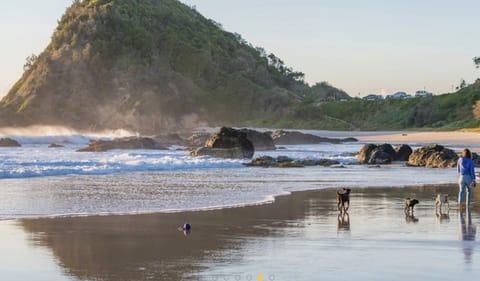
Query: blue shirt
point(466, 167)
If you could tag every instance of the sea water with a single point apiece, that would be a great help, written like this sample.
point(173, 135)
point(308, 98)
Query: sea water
point(37, 181)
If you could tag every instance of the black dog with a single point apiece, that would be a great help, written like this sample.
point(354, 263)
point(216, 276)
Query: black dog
point(409, 205)
point(343, 199)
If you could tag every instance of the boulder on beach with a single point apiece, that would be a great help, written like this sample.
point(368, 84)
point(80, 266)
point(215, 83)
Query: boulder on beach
point(7, 142)
point(226, 143)
point(122, 143)
point(281, 137)
point(433, 156)
point(261, 140)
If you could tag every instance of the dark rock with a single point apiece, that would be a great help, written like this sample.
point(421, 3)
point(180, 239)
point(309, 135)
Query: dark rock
point(380, 157)
point(263, 161)
point(282, 137)
point(261, 141)
point(350, 139)
point(433, 156)
point(290, 164)
point(402, 152)
point(373, 154)
point(229, 153)
point(55, 145)
point(319, 162)
point(227, 143)
point(284, 159)
point(286, 162)
point(388, 149)
point(6, 142)
point(122, 143)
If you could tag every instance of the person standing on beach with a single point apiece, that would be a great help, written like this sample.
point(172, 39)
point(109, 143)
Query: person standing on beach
point(466, 176)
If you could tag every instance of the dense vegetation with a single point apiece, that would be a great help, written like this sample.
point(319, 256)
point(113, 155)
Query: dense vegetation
point(149, 65)
point(443, 112)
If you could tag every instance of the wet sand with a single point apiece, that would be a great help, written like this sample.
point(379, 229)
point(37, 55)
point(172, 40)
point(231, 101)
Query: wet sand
point(298, 237)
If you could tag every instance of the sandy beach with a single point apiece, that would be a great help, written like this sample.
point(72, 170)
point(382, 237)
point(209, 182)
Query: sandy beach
point(423, 137)
point(298, 237)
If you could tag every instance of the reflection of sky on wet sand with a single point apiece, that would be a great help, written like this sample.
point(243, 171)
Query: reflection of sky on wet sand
point(299, 237)
point(377, 241)
point(20, 259)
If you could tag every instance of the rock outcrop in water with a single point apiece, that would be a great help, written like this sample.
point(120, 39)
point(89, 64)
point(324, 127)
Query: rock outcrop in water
point(376, 154)
point(122, 143)
point(227, 143)
point(433, 156)
point(383, 154)
point(286, 162)
point(7, 142)
point(260, 140)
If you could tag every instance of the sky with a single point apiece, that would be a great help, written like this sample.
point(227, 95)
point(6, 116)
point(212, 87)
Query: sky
point(361, 46)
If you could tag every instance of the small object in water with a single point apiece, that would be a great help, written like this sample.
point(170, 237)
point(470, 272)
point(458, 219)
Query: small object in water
point(187, 226)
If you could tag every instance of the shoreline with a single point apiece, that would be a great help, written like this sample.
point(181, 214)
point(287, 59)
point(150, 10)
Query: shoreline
point(271, 199)
point(229, 242)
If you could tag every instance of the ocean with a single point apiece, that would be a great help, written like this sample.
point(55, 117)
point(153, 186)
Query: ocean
point(37, 181)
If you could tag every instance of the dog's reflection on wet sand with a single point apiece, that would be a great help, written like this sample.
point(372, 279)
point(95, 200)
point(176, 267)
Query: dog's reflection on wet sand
point(410, 218)
point(343, 221)
point(442, 217)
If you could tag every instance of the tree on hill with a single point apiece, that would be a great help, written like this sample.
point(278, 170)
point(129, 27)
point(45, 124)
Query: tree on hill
point(476, 60)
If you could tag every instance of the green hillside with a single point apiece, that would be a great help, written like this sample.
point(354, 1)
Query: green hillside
point(443, 112)
point(151, 65)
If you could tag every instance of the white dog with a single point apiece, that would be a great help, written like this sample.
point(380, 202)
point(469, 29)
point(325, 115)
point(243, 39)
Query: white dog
point(441, 201)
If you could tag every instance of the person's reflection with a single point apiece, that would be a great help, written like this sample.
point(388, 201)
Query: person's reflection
point(343, 221)
point(467, 233)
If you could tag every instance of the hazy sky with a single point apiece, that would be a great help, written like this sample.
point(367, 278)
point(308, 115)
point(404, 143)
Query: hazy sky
point(361, 46)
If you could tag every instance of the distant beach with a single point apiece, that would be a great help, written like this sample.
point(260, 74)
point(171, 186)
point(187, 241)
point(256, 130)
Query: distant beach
point(439, 137)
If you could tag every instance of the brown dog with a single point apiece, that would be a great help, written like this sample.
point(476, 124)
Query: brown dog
point(343, 199)
point(409, 205)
